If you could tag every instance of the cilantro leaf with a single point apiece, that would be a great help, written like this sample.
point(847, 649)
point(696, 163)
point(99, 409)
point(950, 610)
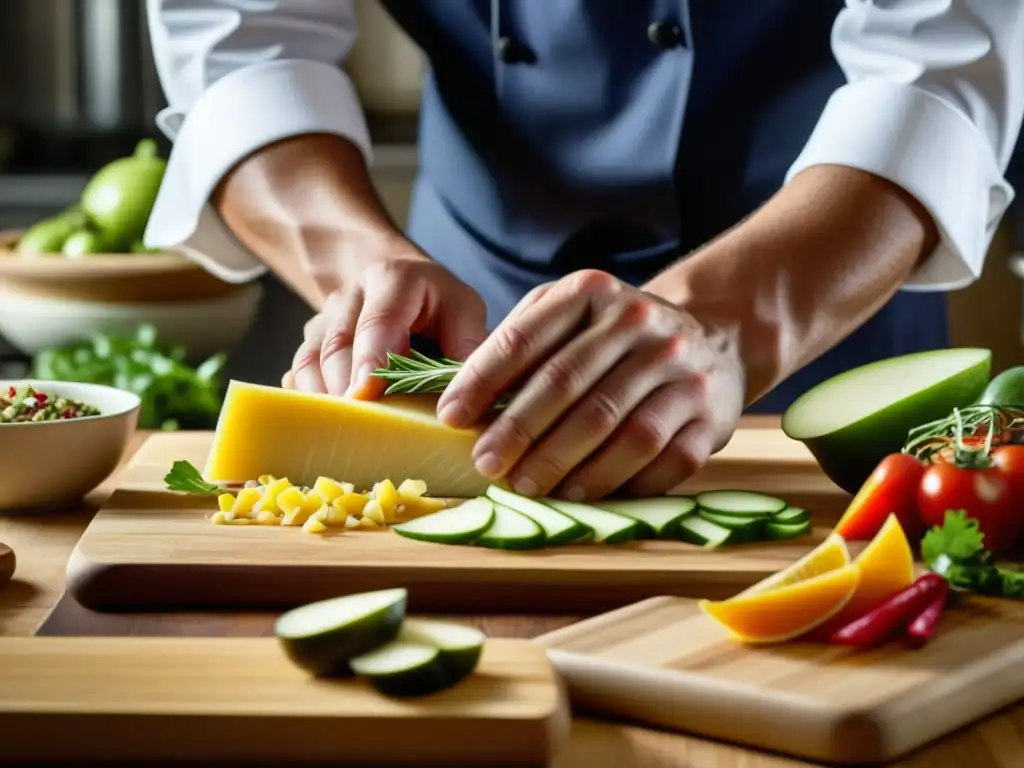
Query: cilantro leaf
point(958, 540)
point(185, 478)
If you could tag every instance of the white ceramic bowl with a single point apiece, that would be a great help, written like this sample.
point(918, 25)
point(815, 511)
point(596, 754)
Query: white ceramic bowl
point(204, 327)
point(51, 464)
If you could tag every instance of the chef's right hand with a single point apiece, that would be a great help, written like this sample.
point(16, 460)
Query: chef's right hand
point(376, 310)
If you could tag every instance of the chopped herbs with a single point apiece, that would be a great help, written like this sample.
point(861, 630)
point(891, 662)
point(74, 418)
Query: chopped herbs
point(21, 405)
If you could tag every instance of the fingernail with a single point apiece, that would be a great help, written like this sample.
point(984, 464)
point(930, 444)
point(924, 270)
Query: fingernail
point(489, 465)
point(576, 493)
point(524, 486)
point(453, 415)
point(362, 375)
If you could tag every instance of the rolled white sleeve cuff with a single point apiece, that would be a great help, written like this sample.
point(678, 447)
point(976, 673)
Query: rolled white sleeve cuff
point(923, 144)
point(237, 115)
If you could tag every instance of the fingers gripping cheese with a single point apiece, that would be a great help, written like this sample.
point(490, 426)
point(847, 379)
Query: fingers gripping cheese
point(304, 436)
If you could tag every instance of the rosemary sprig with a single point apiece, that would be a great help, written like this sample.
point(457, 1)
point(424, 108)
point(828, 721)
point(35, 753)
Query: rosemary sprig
point(417, 374)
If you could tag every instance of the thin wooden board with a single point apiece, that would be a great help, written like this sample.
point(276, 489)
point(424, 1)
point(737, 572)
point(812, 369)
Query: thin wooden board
point(128, 700)
point(663, 662)
point(151, 549)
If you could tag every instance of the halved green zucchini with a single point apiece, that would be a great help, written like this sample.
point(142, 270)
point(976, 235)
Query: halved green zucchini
point(661, 514)
point(740, 503)
point(402, 668)
point(511, 530)
point(558, 527)
point(322, 637)
point(460, 646)
point(459, 525)
point(608, 527)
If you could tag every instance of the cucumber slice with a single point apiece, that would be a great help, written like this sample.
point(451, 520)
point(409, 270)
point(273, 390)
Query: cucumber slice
point(744, 529)
point(740, 503)
point(511, 530)
point(779, 531)
point(731, 522)
point(460, 646)
point(792, 515)
point(558, 527)
point(661, 514)
point(322, 637)
point(608, 527)
point(402, 668)
point(696, 530)
point(459, 525)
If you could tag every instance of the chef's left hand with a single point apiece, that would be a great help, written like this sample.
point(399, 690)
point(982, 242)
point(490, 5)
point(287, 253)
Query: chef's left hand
point(616, 390)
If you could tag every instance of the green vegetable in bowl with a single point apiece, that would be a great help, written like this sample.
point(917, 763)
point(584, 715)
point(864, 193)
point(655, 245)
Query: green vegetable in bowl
point(50, 235)
point(174, 394)
point(119, 198)
point(87, 241)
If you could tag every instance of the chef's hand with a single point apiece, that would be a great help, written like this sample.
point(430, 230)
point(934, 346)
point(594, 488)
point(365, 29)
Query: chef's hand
point(616, 390)
point(378, 307)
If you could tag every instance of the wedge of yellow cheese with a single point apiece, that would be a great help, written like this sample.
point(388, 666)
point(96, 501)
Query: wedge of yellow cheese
point(266, 430)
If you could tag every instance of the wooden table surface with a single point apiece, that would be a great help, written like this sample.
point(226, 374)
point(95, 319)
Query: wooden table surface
point(42, 544)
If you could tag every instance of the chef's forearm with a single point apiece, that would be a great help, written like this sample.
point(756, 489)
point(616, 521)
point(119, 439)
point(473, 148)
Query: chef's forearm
point(805, 271)
point(307, 208)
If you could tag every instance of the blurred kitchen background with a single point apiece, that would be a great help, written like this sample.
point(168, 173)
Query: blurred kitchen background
point(78, 90)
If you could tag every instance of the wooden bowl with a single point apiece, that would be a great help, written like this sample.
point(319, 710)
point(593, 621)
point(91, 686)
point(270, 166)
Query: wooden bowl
point(116, 277)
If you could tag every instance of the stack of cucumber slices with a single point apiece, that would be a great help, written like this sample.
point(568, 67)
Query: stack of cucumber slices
point(503, 519)
point(369, 635)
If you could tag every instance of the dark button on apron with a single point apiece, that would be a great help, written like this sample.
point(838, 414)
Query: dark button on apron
point(513, 52)
point(665, 34)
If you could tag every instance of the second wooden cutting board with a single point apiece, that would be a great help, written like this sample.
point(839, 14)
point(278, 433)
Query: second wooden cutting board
point(662, 661)
point(133, 701)
point(151, 549)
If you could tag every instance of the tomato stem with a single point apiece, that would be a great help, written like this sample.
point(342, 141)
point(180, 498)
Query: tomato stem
point(973, 457)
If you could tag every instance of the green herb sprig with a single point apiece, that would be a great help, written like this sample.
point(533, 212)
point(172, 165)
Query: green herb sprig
point(956, 551)
point(417, 374)
point(185, 478)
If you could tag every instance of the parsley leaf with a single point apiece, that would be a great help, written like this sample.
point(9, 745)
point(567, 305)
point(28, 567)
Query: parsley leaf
point(957, 539)
point(955, 550)
point(185, 478)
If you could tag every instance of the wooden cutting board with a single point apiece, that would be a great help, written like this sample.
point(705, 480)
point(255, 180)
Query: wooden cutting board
point(152, 549)
point(663, 662)
point(220, 700)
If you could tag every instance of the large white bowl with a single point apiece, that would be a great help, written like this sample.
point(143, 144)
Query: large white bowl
point(204, 327)
point(52, 464)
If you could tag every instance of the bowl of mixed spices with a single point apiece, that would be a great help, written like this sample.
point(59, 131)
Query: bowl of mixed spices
point(59, 440)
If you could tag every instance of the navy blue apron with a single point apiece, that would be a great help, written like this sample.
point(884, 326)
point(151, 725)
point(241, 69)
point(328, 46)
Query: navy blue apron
point(557, 135)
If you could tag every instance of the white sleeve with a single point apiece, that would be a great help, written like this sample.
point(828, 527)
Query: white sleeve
point(237, 77)
point(933, 103)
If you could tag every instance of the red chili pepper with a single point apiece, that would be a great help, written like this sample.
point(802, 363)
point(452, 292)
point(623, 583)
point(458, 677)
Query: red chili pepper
point(923, 627)
point(878, 625)
point(11, 392)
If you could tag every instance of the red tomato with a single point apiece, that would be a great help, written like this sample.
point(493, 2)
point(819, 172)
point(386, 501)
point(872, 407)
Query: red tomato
point(891, 489)
point(986, 494)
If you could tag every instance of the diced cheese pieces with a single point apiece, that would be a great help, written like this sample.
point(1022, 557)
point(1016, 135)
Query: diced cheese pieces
point(305, 436)
point(328, 504)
